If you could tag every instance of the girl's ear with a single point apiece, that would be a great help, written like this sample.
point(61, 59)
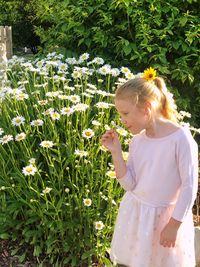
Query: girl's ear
point(147, 108)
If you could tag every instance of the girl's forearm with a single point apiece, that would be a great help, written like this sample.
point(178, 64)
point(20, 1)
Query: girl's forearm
point(119, 164)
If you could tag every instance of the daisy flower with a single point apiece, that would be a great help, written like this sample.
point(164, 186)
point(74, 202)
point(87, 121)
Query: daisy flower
point(1, 131)
point(37, 122)
point(74, 98)
point(87, 202)
point(46, 190)
point(122, 132)
point(32, 161)
point(129, 75)
point(67, 111)
point(5, 139)
point(29, 170)
point(99, 225)
point(84, 57)
point(102, 105)
point(55, 115)
point(80, 107)
point(42, 102)
point(96, 123)
point(125, 70)
point(81, 153)
point(149, 74)
point(104, 70)
point(88, 133)
point(20, 137)
point(125, 155)
point(18, 120)
point(111, 174)
point(98, 60)
point(47, 144)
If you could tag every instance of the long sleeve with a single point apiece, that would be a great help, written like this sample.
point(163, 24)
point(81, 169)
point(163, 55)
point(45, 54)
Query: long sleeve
point(128, 181)
point(187, 160)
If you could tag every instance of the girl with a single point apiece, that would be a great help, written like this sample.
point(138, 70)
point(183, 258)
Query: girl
point(154, 226)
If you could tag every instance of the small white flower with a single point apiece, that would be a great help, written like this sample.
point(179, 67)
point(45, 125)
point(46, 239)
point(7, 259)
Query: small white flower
point(111, 174)
point(55, 115)
point(46, 190)
point(87, 202)
point(125, 70)
point(1, 131)
point(29, 170)
point(47, 144)
point(74, 98)
point(121, 131)
point(96, 123)
point(42, 102)
point(102, 105)
point(84, 57)
point(21, 96)
point(20, 136)
point(67, 190)
point(5, 139)
point(37, 122)
point(129, 75)
point(125, 155)
point(103, 148)
point(104, 70)
point(99, 225)
point(98, 60)
point(67, 111)
point(18, 120)
point(81, 153)
point(88, 133)
point(32, 161)
point(80, 107)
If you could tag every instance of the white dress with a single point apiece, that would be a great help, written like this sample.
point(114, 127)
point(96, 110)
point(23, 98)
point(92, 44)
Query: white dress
point(161, 182)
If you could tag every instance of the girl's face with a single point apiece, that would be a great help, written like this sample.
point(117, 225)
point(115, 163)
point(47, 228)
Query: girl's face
point(134, 118)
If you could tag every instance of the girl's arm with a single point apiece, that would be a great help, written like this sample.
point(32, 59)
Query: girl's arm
point(124, 172)
point(187, 160)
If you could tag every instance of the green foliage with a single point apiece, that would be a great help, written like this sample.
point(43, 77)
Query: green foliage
point(162, 34)
point(44, 212)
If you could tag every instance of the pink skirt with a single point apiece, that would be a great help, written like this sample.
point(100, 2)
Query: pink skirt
point(136, 239)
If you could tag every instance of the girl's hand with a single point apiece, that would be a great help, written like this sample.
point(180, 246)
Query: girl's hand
point(169, 233)
point(111, 141)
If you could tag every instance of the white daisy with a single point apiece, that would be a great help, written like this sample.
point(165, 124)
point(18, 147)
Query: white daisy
point(67, 111)
point(46, 190)
point(37, 122)
point(99, 225)
point(81, 153)
point(47, 144)
point(74, 98)
point(32, 161)
point(55, 115)
point(20, 136)
point(29, 170)
point(96, 123)
point(5, 139)
point(111, 174)
point(104, 70)
point(129, 75)
point(80, 107)
point(88, 133)
point(125, 70)
point(1, 131)
point(84, 57)
point(121, 131)
point(42, 102)
point(102, 105)
point(18, 120)
point(87, 202)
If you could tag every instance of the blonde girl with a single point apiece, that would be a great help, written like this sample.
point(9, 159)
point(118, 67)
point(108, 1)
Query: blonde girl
point(154, 226)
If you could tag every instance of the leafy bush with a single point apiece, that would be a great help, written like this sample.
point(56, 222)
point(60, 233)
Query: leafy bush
point(57, 190)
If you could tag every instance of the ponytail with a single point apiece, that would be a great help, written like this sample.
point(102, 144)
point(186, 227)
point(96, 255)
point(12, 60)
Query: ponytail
point(168, 106)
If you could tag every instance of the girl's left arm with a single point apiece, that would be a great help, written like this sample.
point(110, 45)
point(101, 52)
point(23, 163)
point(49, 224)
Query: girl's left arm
point(187, 160)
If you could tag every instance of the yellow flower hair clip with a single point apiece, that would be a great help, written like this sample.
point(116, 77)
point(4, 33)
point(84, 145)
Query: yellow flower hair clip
point(149, 74)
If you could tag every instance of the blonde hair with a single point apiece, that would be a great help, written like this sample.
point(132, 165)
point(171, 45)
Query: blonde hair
point(140, 91)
